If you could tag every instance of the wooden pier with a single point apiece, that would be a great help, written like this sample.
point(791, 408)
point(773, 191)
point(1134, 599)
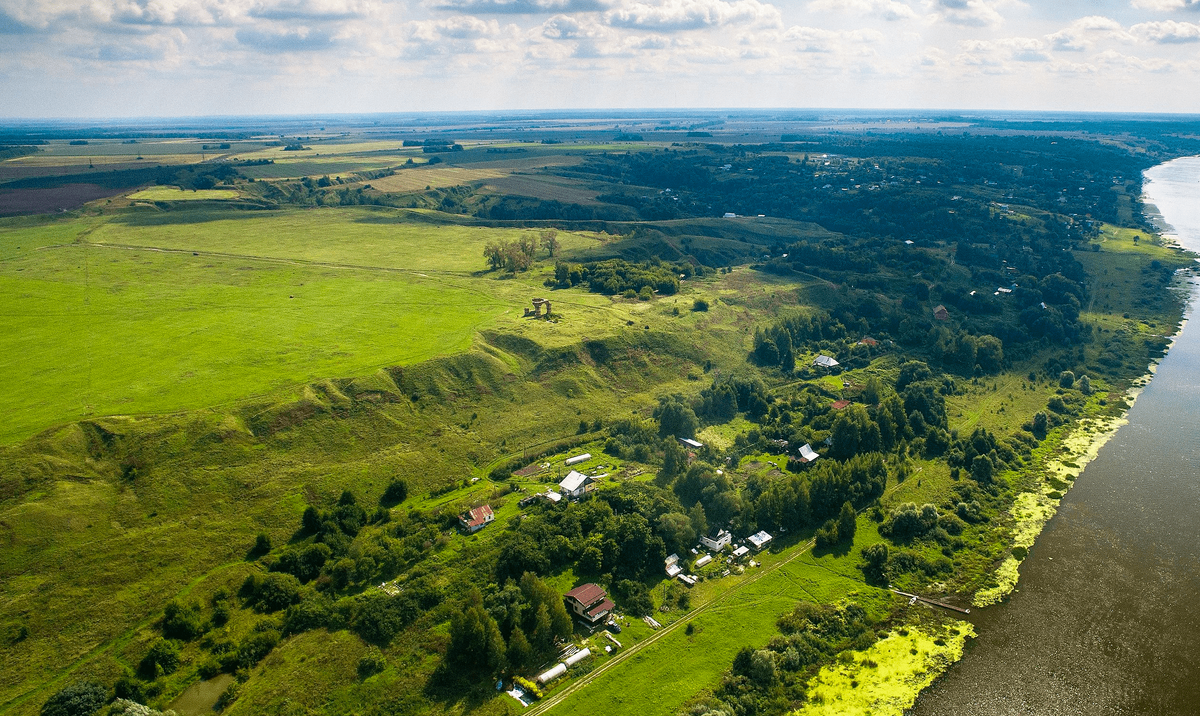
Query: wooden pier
point(927, 600)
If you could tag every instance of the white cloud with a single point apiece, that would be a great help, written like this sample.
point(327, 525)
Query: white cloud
point(1168, 32)
point(883, 9)
point(1115, 59)
point(1019, 49)
point(676, 15)
point(566, 27)
point(519, 7)
point(309, 9)
point(291, 39)
point(972, 13)
point(1166, 5)
point(1082, 34)
point(815, 39)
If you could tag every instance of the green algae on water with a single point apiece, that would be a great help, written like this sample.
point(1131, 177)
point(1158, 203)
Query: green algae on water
point(885, 679)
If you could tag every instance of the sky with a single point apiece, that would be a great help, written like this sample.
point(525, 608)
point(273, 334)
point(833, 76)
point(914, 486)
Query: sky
point(166, 58)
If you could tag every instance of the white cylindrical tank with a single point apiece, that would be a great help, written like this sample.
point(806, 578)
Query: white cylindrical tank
point(552, 674)
point(577, 657)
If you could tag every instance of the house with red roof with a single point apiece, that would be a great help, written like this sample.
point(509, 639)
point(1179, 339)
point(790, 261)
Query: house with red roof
point(476, 519)
point(590, 603)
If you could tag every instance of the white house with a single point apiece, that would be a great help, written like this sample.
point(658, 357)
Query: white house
point(824, 361)
point(718, 541)
point(574, 485)
point(689, 443)
point(740, 552)
point(807, 454)
point(759, 540)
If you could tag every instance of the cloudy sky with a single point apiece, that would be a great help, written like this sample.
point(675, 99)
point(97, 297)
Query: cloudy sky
point(113, 58)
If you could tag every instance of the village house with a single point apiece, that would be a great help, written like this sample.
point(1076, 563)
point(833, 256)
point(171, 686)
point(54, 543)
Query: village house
point(575, 485)
point(476, 519)
point(672, 565)
point(759, 540)
point(941, 314)
point(690, 444)
point(823, 361)
point(590, 603)
point(716, 540)
point(839, 404)
point(868, 341)
point(807, 454)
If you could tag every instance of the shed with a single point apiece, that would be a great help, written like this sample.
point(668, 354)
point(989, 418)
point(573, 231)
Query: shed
point(688, 580)
point(705, 559)
point(690, 443)
point(741, 552)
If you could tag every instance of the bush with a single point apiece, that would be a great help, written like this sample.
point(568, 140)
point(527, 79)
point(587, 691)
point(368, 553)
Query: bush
point(371, 663)
point(699, 305)
point(81, 698)
point(182, 622)
point(1066, 379)
point(1020, 553)
point(396, 492)
point(276, 591)
point(163, 658)
point(827, 536)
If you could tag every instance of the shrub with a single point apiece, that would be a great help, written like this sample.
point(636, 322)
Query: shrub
point(163, 658)
point(1066, 379)
point(1020, 552)
point(81, 698)
point(276, 591)
point(371, 663)
point(396, 492)
point(827, 536)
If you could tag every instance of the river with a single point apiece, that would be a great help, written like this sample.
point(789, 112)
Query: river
point(1106, 619)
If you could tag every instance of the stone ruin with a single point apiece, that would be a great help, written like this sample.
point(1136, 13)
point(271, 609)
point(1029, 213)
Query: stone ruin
point(536, 311)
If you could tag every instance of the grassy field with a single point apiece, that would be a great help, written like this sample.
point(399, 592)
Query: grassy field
point(148, 313)
point(434, 177)
point(174, 193)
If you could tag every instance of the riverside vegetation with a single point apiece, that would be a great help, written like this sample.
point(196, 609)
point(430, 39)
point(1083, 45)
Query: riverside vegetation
point(246, 405)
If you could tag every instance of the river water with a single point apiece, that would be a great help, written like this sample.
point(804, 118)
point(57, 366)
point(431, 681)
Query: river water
point(1107, 616)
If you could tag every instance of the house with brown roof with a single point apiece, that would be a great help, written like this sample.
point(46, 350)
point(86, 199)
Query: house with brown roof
point(839, 404)
point(476, 519)
point(868, 341)
point(590, 603)
point(941, 313)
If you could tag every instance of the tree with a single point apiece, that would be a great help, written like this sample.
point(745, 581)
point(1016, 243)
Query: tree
point(981, 469)
point(80, 698)
point(990, 354)
point(396, 492)
point(699, 519)
point(847, 522)
point(262, 544)
point(1040, 424)
point(676, 530)
point(873, 392)
point(762, 667)
point(550, 241)
point(1085, 385)
point(876, 557)
point(543, 630)
point(519, 653)
point(494, 253)
point(311, 521)
point(675, 419)
point(163, 658)
point(476, 644)
point(674, 462)
point(1066, 379)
